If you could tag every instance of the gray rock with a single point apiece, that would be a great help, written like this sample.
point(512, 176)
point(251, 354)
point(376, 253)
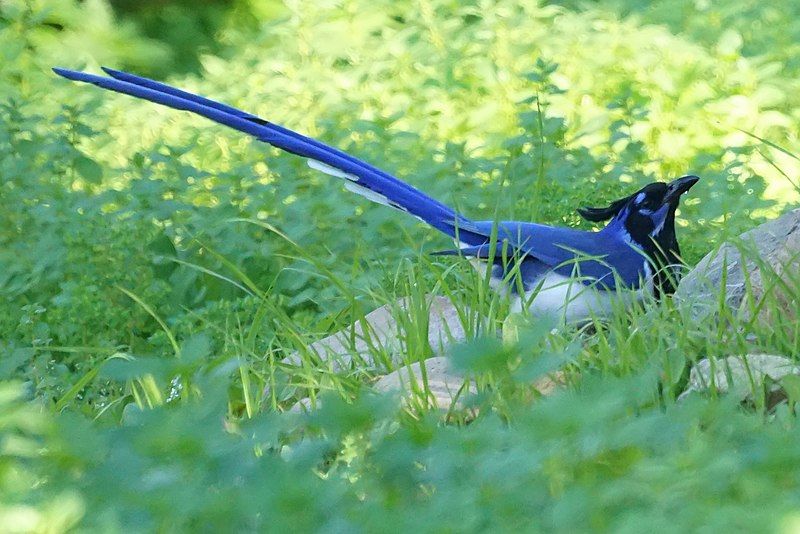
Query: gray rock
point(304, 405)
point(442, 387)
point(776, 243)
point(739, 375)
point(380, 333)
point(439, 386)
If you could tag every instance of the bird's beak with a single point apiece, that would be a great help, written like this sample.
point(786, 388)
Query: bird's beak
point(678, 187)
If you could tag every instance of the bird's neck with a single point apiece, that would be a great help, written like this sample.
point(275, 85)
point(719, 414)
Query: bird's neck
point(661, 249)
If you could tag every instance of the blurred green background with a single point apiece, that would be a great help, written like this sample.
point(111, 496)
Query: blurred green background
point(511, 109)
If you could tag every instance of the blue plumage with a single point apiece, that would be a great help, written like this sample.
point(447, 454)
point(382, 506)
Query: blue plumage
point(406, 197)
point(639, 240)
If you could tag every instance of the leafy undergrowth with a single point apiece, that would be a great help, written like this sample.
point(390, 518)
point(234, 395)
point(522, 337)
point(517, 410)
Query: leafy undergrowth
point(612, 450)
point(155, 269)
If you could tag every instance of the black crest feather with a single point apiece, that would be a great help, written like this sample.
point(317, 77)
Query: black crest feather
point(603, 214)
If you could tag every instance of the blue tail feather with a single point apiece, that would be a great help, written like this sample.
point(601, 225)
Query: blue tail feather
point(397, 193)
point(168, 89)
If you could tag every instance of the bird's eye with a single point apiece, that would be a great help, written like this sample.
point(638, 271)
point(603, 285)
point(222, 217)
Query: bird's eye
point(651, 203)
point(644, 203)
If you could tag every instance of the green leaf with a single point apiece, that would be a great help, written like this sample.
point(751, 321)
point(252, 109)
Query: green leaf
point(89, 169)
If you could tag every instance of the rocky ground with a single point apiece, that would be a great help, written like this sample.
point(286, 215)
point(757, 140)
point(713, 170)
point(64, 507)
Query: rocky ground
point(760, 262)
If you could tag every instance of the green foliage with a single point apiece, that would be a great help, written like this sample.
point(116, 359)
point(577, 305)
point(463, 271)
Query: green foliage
point(155, 268)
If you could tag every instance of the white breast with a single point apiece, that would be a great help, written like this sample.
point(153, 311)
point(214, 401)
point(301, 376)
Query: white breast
point(568, 298)
point(572, 300)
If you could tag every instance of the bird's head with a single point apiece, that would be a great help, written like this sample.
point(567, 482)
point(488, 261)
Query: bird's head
point(647, 217)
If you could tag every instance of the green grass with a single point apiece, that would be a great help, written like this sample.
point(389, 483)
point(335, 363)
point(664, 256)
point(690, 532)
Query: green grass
point(155, 270)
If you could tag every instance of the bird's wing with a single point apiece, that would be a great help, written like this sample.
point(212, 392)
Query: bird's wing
point(358, 176)
point(602, 258)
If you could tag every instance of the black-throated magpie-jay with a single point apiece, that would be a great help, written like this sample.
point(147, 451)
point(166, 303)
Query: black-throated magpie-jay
point(574, 273)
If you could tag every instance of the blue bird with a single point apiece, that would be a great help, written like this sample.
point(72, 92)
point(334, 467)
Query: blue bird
point(544, 269)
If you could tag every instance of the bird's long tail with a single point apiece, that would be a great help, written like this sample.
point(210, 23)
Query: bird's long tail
point(359, 176)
